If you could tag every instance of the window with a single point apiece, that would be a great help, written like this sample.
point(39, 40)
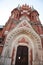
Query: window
point(33, 17)
point(0, 40)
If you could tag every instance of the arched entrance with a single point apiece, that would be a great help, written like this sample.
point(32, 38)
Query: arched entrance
point(14, 38)
point(22, 55)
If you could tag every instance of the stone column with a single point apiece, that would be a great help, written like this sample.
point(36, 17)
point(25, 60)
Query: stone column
point(5, 61)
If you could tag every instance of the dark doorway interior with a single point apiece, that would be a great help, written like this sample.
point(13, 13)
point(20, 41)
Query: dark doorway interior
point(22, 55)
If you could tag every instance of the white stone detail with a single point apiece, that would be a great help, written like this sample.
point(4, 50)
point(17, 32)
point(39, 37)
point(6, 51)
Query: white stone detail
point(34, 41)
point(6, 32)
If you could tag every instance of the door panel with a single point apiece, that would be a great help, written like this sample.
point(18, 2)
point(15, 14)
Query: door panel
point(22, 55)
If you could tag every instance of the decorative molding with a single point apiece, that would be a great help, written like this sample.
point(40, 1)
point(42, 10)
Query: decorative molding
point(41, 35)
point(6, 32)
point(1, 45)
point(19, 32)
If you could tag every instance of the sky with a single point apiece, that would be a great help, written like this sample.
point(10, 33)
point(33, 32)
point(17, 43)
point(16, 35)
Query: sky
point(6, 6)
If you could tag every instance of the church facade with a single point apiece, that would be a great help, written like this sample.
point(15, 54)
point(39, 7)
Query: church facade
point(21, 39)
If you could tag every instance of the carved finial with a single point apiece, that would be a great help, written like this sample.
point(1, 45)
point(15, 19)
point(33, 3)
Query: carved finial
point(32, 8)
point(18, 6)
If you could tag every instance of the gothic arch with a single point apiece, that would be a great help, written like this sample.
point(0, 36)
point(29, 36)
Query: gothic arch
point(23, 27)
point(21, 30)
point(30, 45)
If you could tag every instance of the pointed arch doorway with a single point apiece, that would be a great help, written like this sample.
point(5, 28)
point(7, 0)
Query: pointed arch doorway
point(22, 55)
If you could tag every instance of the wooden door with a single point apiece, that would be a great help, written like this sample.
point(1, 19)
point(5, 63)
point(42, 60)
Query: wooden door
point(22, 55)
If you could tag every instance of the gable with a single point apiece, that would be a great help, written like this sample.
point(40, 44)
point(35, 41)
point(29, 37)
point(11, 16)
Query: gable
point(23, 27)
